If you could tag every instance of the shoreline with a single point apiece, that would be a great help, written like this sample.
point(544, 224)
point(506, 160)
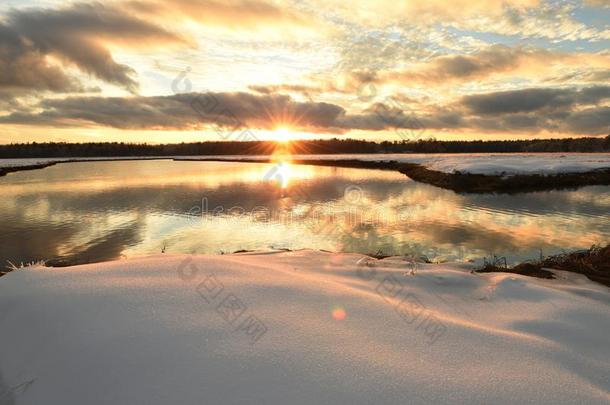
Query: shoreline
point(593, 263)
point(460, 182)
point(35, 166)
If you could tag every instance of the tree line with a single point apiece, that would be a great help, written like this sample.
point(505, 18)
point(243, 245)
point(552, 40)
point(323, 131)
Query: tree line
point(320, 146)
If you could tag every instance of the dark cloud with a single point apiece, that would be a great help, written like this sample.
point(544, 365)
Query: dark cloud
point(496, 58)
point(23, 67)
point(529, 100)
point(478, 65)
point(526, 111)
point(593, 95)
point(506, 102)
point(77, 35)
point(591, 120)
point(183, 111)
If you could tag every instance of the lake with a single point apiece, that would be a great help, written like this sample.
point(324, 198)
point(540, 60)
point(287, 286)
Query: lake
point(95, 211)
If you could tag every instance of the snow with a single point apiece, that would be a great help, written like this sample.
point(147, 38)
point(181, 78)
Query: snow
point(477, 163)
point(522, 164)
point(148, 331)
point(482, 163)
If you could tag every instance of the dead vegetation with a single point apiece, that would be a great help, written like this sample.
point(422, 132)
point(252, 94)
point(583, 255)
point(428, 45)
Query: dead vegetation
point(593, 263)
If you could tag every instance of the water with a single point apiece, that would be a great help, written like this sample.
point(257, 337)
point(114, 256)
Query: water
point(95, 211)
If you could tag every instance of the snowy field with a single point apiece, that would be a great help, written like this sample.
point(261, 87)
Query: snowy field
point(301, 327)
point(502, 164)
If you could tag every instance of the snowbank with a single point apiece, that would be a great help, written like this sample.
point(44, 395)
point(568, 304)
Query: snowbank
point(522, 164)
point(299, 328)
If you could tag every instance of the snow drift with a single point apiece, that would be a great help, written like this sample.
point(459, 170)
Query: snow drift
point(299, 327)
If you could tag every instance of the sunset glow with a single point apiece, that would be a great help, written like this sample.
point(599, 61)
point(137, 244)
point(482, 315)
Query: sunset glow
point(284, 70)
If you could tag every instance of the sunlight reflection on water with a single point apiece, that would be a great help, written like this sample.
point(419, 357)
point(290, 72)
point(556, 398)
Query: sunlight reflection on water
point(104, 210)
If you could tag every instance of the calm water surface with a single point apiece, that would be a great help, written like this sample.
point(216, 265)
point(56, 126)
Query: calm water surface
point(94, 211)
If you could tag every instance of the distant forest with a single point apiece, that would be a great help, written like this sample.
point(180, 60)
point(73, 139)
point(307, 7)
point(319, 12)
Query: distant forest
point(104, 149)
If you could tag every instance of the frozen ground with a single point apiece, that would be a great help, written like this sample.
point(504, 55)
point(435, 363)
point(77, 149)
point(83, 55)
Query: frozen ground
point(505, 164)
point(304, 327)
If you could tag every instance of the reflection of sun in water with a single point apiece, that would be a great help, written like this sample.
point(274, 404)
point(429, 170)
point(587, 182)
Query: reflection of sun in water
point(280, 174)
point(284, 172)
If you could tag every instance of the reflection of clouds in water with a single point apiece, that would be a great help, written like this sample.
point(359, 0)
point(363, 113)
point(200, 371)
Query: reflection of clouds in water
point(592, 200)
point(448, 222)
point(102, 210)
point(108, 246)
point(30, 242)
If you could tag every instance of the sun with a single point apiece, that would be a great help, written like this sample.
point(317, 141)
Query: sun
point(283, 135)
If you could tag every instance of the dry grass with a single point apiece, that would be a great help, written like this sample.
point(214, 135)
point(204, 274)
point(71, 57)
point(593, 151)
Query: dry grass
point(526, 269)
point(12, 267)
point(593, 263)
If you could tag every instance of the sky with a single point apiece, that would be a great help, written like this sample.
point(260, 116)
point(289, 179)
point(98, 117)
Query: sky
point(196, 70)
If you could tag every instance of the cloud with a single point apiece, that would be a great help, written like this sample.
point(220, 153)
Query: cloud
point(554, 20)
point(597, 3)
point(252, 16)
point(577, 111)
point(496, 60)
point(303, 89)
point(589, 76)
point(531, 100)
point(38, 44)
point(24, 67)
point(492, 60)
point(184, 111)
point(80, 34)
point(387, 12)
point(592, 120)
point(516, 101)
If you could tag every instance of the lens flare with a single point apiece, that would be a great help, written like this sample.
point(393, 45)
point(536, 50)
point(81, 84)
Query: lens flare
point(338, 313)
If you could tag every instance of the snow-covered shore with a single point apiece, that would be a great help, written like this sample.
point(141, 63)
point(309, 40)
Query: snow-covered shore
point(475, 163)
point(494, 164)
point(299, 327)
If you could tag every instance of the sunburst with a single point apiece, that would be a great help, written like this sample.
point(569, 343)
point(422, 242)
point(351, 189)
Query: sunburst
point(283, 135)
